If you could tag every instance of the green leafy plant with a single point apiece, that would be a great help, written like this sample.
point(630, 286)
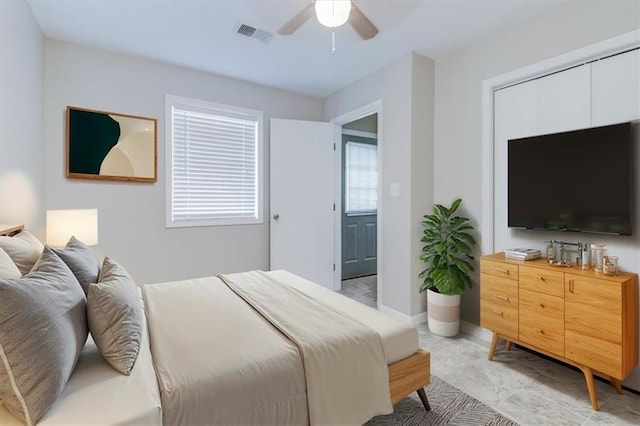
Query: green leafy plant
point(447, 251)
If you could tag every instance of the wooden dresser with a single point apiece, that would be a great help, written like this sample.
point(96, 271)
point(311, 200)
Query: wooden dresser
point(583, 318)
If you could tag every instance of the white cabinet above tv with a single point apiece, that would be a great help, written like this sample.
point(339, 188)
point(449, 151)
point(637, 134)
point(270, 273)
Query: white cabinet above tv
point(564, 100)
point(595, 94)
point(615, 88)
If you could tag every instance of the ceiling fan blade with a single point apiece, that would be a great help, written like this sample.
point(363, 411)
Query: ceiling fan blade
point(363, 26)
point(296, 22)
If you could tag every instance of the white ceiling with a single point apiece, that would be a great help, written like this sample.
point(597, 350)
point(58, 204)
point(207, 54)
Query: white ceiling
point(200, 34)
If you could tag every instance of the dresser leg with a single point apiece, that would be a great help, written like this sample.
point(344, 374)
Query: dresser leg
point(492, 348)
point(509, 344)
point(588, 377)
point(617, 385)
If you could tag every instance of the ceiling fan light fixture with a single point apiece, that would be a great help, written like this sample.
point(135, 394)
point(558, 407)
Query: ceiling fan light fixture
point(333, 13)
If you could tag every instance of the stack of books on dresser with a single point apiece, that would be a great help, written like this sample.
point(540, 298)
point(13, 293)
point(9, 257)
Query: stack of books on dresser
point(522, 254)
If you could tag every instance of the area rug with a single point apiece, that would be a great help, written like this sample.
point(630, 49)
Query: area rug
point(449, 406)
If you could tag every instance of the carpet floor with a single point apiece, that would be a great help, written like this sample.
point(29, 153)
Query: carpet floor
point(449, 406)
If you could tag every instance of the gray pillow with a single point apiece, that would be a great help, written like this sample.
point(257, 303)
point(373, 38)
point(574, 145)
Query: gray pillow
point(115, 316)
point(43, 328)
point(8, 269)
point(23, 248)
point(82, 261)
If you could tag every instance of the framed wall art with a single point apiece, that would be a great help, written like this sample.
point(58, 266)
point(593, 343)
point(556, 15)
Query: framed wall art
point(111, 146)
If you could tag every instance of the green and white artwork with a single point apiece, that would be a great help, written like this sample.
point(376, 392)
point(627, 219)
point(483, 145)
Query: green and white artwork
point(104, 145)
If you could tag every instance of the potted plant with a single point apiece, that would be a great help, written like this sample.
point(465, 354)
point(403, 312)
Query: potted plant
point(447, 252)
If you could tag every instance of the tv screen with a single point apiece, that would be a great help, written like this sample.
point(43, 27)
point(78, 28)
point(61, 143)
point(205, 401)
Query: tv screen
point(572, 181)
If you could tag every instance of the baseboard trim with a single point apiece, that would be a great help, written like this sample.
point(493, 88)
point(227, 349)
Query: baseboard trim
point(476, 331)
point(421, 318)
point(412, 320)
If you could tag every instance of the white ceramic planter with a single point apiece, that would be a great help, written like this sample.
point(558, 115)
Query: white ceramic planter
point(443, 314)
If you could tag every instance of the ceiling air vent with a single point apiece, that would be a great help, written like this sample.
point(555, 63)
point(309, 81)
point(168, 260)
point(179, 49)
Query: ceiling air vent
point(255, 33)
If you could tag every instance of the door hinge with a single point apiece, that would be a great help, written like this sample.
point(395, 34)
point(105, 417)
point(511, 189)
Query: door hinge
point(334, 146)
point(334, 207)
point(334, 267)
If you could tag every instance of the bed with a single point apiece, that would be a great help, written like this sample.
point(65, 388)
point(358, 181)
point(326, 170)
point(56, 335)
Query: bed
point(207, 352)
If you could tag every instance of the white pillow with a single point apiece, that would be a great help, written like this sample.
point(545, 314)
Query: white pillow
point(24, 249)
point(8, 269)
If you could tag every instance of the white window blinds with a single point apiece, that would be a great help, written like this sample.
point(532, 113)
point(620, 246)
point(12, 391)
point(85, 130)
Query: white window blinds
point(361, 174)
point(215, 164)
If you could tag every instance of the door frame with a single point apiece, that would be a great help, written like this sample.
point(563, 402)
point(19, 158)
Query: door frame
point(360, 137)
point(363, 111)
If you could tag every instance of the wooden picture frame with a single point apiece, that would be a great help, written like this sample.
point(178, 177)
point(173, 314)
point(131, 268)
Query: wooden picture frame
point(111, 146)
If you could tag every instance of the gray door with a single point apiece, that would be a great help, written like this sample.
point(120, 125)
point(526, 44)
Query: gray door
point(359, 206)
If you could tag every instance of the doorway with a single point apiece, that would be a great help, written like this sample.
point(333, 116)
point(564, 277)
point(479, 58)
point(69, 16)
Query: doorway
point(359, 209)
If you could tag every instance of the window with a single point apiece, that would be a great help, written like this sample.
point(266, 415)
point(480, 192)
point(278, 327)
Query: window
point(214, 164)
point(361, 177)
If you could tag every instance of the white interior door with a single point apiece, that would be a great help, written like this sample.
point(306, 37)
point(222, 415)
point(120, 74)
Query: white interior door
point(302, 199)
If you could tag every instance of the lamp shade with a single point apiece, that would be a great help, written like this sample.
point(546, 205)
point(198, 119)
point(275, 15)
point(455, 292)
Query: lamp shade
point(333, 13)
point(63, 224)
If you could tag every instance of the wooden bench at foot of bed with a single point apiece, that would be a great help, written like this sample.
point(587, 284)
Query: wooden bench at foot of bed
point(409, 375)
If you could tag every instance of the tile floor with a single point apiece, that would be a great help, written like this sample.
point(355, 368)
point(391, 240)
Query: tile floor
point(363, 289)
point(525, 387)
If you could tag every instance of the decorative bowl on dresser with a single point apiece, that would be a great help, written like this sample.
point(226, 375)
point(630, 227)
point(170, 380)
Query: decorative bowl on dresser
point(582, 318)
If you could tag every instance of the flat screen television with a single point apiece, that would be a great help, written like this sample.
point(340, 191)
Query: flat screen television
point(573, 181)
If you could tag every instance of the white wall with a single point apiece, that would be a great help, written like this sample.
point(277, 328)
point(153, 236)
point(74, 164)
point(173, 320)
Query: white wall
point(458, 79)
point(422, 162)
point(132, 215)
point(404, 88)
point(21, 119)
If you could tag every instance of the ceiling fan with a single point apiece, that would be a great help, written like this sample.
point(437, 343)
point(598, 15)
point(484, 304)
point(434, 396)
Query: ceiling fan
point(332, 13)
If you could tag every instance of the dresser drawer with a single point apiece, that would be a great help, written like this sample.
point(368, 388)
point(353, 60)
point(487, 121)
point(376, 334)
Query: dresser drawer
point(541, 318)
point(499, 305)
point(541, 280)
point(499, 269)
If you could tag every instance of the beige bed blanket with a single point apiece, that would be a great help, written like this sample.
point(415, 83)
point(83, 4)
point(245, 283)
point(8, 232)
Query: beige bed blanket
point(344, 364)
point(219, 362)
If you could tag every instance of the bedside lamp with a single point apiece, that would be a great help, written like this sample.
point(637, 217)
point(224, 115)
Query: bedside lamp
point(63, 224)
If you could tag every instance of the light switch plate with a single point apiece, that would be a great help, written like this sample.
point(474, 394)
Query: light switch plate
point(394, 189)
